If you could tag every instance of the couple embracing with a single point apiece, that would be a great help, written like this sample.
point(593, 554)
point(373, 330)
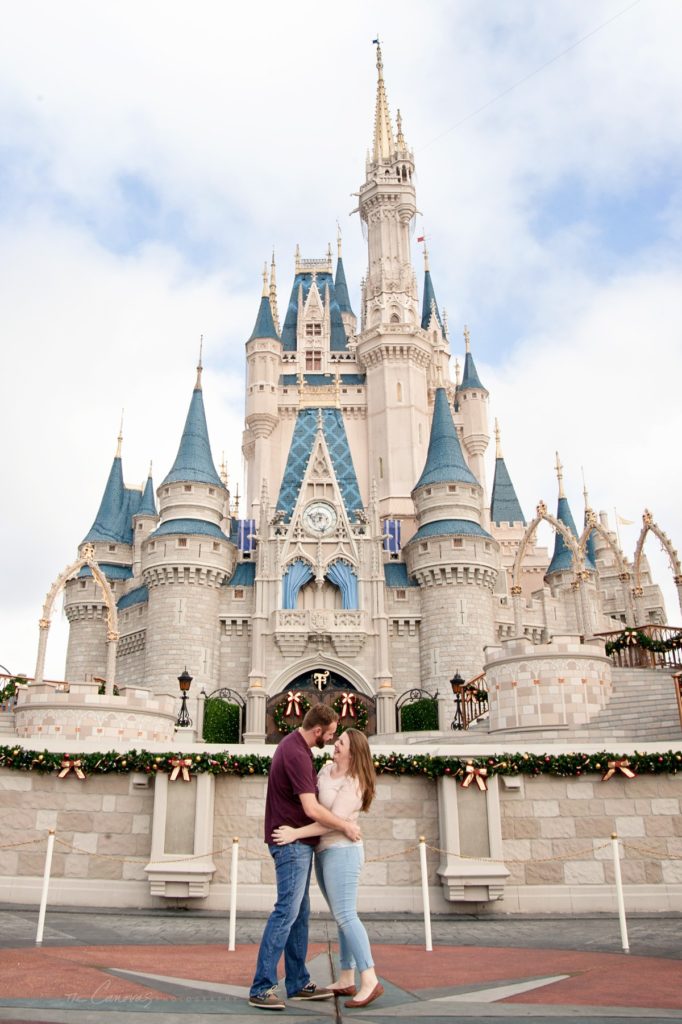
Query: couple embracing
point(315, 817)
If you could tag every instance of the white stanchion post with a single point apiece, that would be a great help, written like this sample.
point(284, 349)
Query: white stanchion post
point(619, 893)
point(233, 895)
point(425, 895)
point(46, 885)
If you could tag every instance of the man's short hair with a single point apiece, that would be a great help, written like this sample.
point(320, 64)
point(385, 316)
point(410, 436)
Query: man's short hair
point(319, 714)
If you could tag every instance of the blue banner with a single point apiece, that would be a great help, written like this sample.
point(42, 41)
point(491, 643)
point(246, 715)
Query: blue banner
point(247, 530)
point(391, 530)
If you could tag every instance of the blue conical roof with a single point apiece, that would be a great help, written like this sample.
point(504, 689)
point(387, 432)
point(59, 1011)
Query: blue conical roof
point(341, 288)
point(561, 559)
point(148, 504)
point(109, 522)
point(429, 302)
point(589, 548)
point(194, 462)
point(265, 324)
point(504, 505)
point(444, 461)
point(470, 378)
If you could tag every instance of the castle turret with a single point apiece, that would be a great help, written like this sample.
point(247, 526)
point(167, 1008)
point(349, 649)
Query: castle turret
point(504, 505)
point(562, 559)
point(144, 521)
point(473, 404)
point(185, 560)
point(342, 297)
point(434, 324)
point(393, 350)
point(452, 558)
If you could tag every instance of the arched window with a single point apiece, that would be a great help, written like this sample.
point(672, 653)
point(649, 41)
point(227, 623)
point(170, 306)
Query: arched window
point(381, 468)
point(399, 391)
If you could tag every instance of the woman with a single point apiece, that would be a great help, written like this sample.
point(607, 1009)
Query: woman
point(346, 786)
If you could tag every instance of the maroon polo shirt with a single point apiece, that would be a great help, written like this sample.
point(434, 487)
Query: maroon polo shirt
point(292, 772)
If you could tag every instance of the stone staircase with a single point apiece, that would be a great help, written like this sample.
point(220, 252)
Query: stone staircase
point(642, 706)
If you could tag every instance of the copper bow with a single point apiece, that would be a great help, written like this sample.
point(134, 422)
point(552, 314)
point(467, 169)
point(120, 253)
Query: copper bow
point(181, 764)
point(67, 765)
point(479, 774)
point(294, 704)
point(618, 766)
point(347, 705)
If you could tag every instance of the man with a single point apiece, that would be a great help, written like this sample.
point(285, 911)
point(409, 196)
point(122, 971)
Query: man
point(292, 800)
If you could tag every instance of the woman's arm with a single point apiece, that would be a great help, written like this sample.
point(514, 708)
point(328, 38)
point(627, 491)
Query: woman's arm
point(288, 834)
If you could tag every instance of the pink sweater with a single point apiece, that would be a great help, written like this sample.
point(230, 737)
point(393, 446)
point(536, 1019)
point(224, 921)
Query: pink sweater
point(342, 796)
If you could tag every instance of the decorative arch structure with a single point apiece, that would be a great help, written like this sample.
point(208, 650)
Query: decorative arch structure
point(340, 668)
point(87, 558)
point(650, 526)
point(577, 563)
point(592, 525)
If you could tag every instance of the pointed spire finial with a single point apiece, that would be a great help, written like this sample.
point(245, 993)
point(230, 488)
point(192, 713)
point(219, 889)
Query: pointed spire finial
point(266, 289)
point(338, 239)
point(384, 146)
point(400, 140)
point(149, 474)
point(297, 259)
point(236, 502)
point(426, 254)
point(223, 471)
point(200, 365)
point(445, 323)
point(560, 476)
point(585, 494)
point(273, 293)
point(467, 339)
point(458, 373)
point(119, 444)
point(498, 442)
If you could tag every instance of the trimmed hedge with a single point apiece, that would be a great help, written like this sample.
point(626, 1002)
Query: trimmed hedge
point(221, 722)
point(421, 716)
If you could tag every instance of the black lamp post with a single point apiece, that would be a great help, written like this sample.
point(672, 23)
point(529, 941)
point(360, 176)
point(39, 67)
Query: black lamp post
point(457, 684)
point(185, 681)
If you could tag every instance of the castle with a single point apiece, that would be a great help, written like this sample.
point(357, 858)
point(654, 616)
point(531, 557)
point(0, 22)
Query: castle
point(372, 547)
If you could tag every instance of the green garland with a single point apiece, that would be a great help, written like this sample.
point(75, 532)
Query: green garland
point(424, 765)
point(278, 713)
point(361, 715)
point(637, 638)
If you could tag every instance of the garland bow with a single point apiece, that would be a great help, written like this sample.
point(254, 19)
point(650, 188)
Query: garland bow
point(618, 766)
point(294, 704)
point(347, 705)
point(68, 765)
point(479, 774)
point(181, 764)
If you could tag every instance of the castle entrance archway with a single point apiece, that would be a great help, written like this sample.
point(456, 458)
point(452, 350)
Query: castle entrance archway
point(319, 685)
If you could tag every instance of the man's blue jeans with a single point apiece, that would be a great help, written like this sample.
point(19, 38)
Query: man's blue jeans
point(287, 928)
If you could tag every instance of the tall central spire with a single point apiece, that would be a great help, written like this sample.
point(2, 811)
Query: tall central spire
point(384, 143)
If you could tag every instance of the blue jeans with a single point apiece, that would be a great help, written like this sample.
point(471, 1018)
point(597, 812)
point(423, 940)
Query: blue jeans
point(287, 928)
point(338, 870)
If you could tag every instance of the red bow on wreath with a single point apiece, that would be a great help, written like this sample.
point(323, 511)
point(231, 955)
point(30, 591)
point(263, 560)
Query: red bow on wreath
point(347, 705)
point(479, 774)
point(181, 764)
point(294, 704)
point(67, 765)
point(618, 766)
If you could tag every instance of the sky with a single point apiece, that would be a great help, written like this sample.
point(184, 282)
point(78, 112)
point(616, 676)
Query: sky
point(152, 155)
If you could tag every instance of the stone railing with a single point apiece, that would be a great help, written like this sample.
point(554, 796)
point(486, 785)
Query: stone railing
point(293, 628)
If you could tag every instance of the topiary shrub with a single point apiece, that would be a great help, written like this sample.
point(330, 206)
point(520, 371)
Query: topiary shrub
point(221, 722)
point(420, 716)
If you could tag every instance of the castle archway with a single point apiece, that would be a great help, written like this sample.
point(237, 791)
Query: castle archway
point(317, 684)
point(86, 559)
point(649, 526)
point(577, 565)
point(592, 525)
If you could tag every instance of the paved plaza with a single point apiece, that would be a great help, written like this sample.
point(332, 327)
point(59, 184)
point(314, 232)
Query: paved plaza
point(99, 967)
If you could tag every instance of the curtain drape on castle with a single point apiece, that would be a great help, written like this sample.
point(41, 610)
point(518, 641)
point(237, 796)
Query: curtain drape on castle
point(298, 573)
point(343, 577)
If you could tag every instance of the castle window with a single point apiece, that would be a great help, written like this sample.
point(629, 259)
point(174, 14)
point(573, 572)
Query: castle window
point(452, 488)
point(313, 330)
point(424, 546)
point(112, 547)
point(401, 595)
point(261, 387)
point(395, 319)
point(313, 360)
point(427, 491)
point(238, 594)
point(211, 490)
point(187, 487)
point(182, 542)
point(457, 542)
point(381, 468)
point(487, 546)
point(84, 584)
point(166, 490)
point(151, 545)
point(216, 545)
point(139, 526)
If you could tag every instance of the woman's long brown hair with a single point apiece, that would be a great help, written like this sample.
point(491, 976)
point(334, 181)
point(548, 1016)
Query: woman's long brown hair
point(362, 766)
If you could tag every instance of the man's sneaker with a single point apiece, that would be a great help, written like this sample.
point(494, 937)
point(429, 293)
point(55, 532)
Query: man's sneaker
point(268, 1000)
point(311, 991)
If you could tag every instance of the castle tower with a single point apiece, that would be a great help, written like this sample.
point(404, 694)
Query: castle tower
point(144, 521)
point(112, 537)
point(395, 353)
point(264, 366)
point(473, 404)
point(452, 558)
point(185, 560)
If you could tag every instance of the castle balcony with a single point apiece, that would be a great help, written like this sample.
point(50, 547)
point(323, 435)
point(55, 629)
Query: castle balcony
point(295, 628)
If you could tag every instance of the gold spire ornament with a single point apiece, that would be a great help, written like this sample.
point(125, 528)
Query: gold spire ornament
point(498, 442)
point(467, 339)
point(560, 476)
point(119, 445)
point(273, 294)
point(200, 365)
